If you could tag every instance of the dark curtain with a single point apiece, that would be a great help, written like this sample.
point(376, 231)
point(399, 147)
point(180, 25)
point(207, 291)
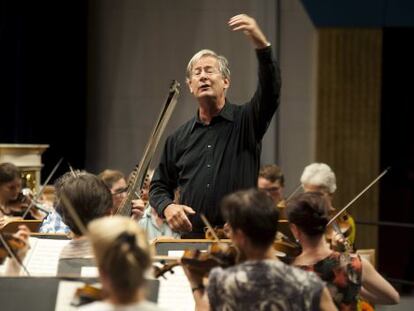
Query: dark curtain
point(43, 77)
point(396, 256)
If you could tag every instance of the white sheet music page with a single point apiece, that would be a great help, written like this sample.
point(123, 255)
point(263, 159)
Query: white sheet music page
point(43, 256)
point(65, 294)
point(175, 291)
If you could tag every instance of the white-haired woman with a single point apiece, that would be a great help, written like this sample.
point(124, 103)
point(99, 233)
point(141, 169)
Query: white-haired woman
point(319, 177)
point(123, 256)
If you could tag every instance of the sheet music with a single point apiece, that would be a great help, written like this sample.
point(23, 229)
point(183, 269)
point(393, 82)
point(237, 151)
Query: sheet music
point(175, 291)
point(43, 256)
point(89, 272)
point(65, 294)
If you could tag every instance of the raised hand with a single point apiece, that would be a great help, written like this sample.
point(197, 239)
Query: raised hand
point(248, 25)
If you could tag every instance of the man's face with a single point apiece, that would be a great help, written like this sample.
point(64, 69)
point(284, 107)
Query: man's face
point(9, 191)
point(118, 191)
point(272, 189)
point(206, 79)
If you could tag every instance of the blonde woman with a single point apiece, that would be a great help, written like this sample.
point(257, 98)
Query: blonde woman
point(122, 255)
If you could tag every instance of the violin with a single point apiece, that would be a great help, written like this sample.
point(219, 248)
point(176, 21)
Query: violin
point(218, 255)
point(18, 207)
point(287, 249)
point(344, 226)
point(14, 243)
point(220, 233)
point(87, 294)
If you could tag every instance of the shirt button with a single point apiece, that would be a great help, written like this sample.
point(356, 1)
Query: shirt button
point(208, 165)
point(208, 185)
point(208, 146)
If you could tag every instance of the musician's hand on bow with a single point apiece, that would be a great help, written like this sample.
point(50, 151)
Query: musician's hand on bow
point(23, 234)
point(138, 208)
point(250, 28)
point(176, 216)
point(338, 242)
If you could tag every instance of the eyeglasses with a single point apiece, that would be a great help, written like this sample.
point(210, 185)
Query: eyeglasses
point(270, 189)
point(119, 191)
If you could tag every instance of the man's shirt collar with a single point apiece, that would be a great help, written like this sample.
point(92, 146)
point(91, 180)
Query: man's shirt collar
point(225, 113)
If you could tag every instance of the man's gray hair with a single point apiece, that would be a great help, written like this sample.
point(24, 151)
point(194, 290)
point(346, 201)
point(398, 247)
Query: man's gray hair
point(222, 61)
point(319, 174)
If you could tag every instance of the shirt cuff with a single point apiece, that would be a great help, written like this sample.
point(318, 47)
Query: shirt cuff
point(161, 206)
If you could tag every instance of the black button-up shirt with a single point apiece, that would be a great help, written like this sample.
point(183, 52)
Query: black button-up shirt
point(209, 161)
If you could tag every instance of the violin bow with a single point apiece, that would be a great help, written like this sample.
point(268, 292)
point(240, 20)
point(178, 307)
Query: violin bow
point(32, 203)
point(12, 253)
point(140, 170)
point(72, 171)
point(209, 227)
point(68, 204)
point(294, 192)
point(358, 196)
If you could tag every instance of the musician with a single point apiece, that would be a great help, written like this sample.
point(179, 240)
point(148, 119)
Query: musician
point(154, 225)
point(115, 181)
point(261, 282)
point(123, 255)
point(345, 274)
point(218, 150)
point(271, 181)
point(12, 201)
point(12, 267)
point(91, 199)
point(319, 177)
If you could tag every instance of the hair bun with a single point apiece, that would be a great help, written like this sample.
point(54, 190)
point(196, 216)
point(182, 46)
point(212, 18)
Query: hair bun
point(128, 238)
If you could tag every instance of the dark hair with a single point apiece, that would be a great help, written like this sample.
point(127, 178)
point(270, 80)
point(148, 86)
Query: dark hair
point(254, 213)
point(309, 211)
point(8, 172)
point(89, 196)
point(272, 173)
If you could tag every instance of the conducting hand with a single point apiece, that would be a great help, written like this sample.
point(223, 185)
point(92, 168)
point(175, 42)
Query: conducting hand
point(248, 25)
point(176, 216)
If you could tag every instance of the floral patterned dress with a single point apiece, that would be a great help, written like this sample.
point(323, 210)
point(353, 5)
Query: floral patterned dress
point(264, 285)
point(342, 272)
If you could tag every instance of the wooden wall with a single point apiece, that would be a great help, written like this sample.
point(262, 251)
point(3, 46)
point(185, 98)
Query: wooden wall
point(348, 118)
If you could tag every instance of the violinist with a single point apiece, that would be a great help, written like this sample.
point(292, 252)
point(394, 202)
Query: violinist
point(271, 181)
point(122, 255)
point(91, 199)
point(154, 225)
point(260, 282)
point(12, 201)
point(319, 177)
point(19, 243)
point(348, 276)
point(116, 183)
